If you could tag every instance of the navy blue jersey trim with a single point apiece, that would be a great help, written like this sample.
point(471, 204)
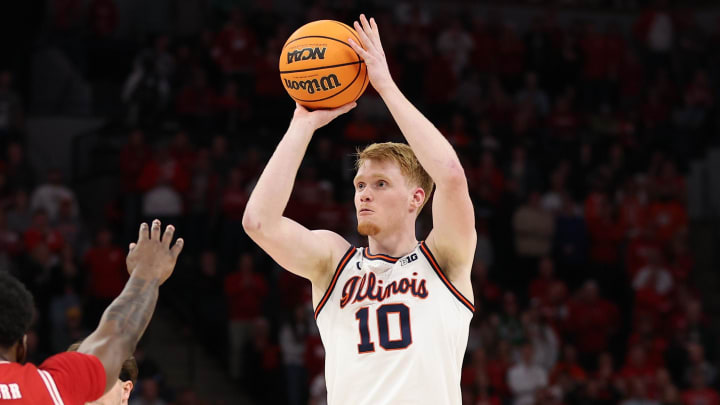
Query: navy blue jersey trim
point(343, 263)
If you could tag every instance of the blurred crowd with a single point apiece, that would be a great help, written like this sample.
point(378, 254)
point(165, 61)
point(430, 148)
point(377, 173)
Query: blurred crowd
point(575, 138)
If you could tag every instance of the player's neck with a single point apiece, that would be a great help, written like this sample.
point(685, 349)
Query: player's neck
point(5, 355)
point(393, 244)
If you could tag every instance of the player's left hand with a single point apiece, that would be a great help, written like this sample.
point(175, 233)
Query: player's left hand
point(372, 52)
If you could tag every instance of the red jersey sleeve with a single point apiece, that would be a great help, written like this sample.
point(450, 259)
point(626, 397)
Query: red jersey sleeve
point(79, 377)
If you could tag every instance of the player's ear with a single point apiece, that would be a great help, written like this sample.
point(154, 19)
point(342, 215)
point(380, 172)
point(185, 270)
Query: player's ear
point(127, 387)
point(418, 198)
point(21, 350)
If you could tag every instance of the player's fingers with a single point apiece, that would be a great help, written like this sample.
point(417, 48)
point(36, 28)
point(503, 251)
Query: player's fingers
point(365, 24)
point(168, 235)
point(155, 230)
point(143, 232)
point(132, 246)
point(177, 248)
point(344, 108)
point(364, 38)
point(357, 48)
point(375, 34)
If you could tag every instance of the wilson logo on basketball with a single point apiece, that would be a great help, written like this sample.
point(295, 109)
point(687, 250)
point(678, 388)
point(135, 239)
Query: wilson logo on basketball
point(311, 86)
point(305, 54)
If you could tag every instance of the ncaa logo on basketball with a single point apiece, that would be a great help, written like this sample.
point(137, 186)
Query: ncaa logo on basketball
point(408, 259)
point(305, 54)
point(311, 86)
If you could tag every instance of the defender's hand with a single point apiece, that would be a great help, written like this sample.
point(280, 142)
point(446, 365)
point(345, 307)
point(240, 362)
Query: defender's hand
point(372, 52)
point(152, 257)
point(319, 118)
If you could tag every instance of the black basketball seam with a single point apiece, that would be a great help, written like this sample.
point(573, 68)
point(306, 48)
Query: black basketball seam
point(363, 84)
point(322, 67)
point(348, 30)
point(345, 88)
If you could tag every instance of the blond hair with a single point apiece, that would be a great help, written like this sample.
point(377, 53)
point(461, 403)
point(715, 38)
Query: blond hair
point(405, 158)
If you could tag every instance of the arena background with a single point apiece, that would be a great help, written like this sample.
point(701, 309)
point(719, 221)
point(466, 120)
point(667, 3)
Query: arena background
point(589, 134)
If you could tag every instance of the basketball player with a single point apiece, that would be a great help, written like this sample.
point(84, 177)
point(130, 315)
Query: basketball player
point(394, 316)
point(74, 378)
point(119, 394)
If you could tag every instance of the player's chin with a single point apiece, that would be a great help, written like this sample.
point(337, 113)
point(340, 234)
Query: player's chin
point(367, 227)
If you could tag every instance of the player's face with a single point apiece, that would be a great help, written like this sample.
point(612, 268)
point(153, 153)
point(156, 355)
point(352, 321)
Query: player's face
point(118, 395)
point(383, 198)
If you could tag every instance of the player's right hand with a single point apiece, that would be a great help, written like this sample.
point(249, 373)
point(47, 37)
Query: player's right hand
point(151, 257)
point(319, 118)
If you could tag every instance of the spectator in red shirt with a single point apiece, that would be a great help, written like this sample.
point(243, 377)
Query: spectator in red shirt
point(592, 321)
point(669, 216)
point(106, 272)
point(234, 47)
point(245, 291)
point(569, 365)
point(498, 366)
point(40, 232)
point(606, 233)
point(133, 156)
point(640, 249)
point(196, 101)
point(488, 174)
point(638, 366)
point(699, 393)
point(486, 291)
point(545, 280)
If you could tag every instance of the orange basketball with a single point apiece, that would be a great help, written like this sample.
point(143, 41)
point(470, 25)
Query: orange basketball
point(319, 69)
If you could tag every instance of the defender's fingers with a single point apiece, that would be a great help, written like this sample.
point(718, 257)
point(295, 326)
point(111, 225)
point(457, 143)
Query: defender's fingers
point(143, 232)
point(168, 235)
point(177, 248)
point(155, 230)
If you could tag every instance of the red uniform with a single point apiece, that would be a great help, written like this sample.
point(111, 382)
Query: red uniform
point(69, 378)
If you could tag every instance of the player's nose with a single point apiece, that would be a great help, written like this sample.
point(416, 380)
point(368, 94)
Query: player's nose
point(365, 195)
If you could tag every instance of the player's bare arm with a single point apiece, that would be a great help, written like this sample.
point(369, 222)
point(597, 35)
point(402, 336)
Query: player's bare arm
point(150, 262)
point(309, 254)
point(453, 237)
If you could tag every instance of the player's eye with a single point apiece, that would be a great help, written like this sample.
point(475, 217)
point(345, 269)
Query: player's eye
point(381, 183)
point(360, 186)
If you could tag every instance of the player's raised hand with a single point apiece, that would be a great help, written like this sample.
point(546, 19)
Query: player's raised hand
point(151, 256)
point(371, 51)
point(319, 118)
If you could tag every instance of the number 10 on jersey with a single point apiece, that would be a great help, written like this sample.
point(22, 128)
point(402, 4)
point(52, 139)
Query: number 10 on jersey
point(383, 331)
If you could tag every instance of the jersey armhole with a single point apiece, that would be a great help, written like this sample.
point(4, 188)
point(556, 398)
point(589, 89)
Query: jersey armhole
point(436, 267)
point(343, 262)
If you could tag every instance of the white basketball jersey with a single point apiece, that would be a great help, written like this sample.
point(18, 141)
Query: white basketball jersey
point(394, 330)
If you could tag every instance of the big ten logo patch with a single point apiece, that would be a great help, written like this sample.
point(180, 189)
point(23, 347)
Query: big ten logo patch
point(408, 259)
point(312, 86)
point(306, 54)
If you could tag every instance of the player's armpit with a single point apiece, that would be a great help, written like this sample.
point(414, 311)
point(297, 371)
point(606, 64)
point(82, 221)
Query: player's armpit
point(453, 237)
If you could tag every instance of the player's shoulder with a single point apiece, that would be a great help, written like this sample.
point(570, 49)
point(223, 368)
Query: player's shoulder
point(339, 250)
point(337, 244)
